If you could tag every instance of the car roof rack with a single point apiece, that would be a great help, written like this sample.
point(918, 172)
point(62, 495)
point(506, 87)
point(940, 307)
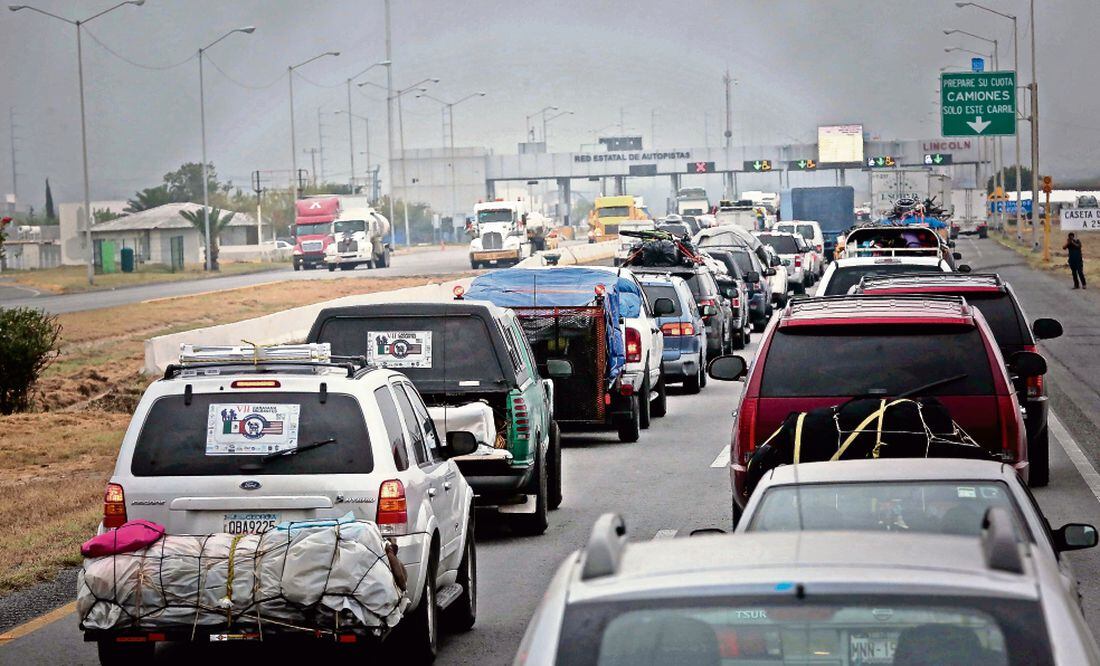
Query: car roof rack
point(604, 550)
point(1000, 543)
point(198, 360)
point(937, 278)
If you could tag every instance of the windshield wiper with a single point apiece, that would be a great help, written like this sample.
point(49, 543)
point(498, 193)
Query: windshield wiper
point(939, 383)
point(290, 452)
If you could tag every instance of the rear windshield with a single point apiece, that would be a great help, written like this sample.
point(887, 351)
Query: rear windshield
point(1006, 322)
point(849, 276)
point(724, 239)
point(744, 261)
point(655, 291)
point(781, 244)
point(456, 351)
point(676, 229)
point(804, 230)
point(727, 259)
point(875, 360)
point(842, 629)
point(219, 434)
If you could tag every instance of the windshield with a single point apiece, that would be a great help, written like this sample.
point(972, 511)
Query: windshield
point(676, 229)
point(655, 291)
point(804, 230)
point(613, 211)
point(744, 261)
point(484, 216)
point(849, 276)
point(315, 229)
point(935, 507)
point(781, 244)
point(433, 351)
point(349, 226)
point(838, 629)
point(215, 434)
point(1004, 319)
point(822, 361)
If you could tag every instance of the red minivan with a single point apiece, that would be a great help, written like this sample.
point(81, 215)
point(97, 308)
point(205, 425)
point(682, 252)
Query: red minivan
point(823, 351)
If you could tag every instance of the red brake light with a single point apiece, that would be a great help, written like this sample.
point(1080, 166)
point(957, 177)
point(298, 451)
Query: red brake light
point(798, 261)
point(818, 247)
point(1035, 382)
point(736, 301)
point(633, 345)
point(1009, 416)
point(114, 506)
point(255, 383)
point(393, 514)
point(745, 438)
point(677, 328)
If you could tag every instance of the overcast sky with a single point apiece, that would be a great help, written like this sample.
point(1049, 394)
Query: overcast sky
point(798, 63)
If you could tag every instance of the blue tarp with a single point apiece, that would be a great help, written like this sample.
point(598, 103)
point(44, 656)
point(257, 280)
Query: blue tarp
point(930, 222)
point(565, 287)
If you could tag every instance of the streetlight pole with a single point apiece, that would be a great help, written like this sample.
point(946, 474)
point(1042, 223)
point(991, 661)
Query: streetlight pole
point(351, 133)
point(202, 123)
point(83, 122)
point(546, 121)
point(293, 139)
point(366, 136)
point(449, 109)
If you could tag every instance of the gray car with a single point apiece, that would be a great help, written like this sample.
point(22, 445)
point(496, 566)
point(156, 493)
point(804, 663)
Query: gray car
point(806, 597)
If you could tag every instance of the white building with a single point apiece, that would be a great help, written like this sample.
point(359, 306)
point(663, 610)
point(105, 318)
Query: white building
point(161, 234)
point(70, 218)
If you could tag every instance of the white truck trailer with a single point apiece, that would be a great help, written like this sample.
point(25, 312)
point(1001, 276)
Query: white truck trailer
point(889, 185)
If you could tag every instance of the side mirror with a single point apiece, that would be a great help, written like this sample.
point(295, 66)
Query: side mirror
point(786, 262)
point(752, 276)
point(664, 306)
point(1027, 364)
point(769, 272)
point(728, 368)
point(1074, 536)
point(776, 261)
point(1046, 328)
point(956, 255)
point(559, 368)
point(950, 243)
point(708, 310)
point(963, 268)
point(460, 443)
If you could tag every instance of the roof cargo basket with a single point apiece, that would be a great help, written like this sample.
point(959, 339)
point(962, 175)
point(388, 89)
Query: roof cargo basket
point(198, 360)
point(605, 547)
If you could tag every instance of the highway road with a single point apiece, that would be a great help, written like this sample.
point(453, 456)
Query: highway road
point(674, 480)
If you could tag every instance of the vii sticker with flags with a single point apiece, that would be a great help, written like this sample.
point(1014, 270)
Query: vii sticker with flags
point(234, 429)
point(400, 349)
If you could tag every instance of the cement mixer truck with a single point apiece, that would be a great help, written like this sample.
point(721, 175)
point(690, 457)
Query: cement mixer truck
point(507, 232)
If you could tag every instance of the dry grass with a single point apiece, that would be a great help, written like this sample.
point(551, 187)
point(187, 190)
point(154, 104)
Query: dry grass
point(73, 279)
point(1090, 249)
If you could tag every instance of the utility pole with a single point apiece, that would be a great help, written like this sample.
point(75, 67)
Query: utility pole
point(312, 152)
point(14, 164)
point(622, 121)
point(320, 147)
point(653, 128)
point(729, 135)
point(389, 116)
point(1034, 140)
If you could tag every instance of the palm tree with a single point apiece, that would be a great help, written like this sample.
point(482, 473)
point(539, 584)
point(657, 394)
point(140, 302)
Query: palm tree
point(150, 197)
point(218, 221)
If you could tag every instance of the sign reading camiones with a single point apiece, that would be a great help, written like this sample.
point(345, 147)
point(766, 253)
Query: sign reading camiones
point(978, 103)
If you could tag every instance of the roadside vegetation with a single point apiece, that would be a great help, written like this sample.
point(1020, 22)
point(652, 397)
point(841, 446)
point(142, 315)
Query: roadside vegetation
point(74, 279)
point(1090, 249)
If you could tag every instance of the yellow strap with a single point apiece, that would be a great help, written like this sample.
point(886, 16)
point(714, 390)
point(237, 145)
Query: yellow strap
point(878, 434)
point(798, 436)
point(866, 422)
point(229, 578)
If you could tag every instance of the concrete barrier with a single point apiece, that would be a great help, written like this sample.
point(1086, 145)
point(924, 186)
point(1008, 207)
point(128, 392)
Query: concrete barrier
point(293, 325)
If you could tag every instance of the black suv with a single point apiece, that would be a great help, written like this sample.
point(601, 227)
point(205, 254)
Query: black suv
point(716, 311)
point(998, 303)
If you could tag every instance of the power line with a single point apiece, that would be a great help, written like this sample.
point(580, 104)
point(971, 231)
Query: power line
point(123, 58)
point(319, 85)
point(239, 83)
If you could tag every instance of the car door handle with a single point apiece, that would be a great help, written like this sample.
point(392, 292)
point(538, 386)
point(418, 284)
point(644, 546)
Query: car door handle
point(447, 486)
point(431, 492)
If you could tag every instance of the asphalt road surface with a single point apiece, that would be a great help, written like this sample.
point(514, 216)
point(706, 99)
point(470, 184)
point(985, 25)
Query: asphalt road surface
point(674, 480)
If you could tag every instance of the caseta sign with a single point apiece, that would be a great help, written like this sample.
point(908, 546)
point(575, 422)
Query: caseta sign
point(1080, 219)
point(632, 156)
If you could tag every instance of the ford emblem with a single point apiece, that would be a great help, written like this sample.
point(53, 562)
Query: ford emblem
point(250, 485)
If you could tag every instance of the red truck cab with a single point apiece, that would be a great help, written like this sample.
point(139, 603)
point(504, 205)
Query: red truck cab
point(313, 219)
point(824, 351)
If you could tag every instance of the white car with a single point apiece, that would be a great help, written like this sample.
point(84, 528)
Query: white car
point(811, 231)
point(843, 274)
point(224, 443)
point(780, 280)
point(796, 256)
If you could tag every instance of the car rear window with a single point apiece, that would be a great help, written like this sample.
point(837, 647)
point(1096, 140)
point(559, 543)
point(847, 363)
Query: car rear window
point(655, 291)
point(849, 276)
point(178, 439)
point(1003, 317)
point(723, 239)
point(804, 230)
point(887, 360)
point(744, 261)
point(781, 244)
point(432, 351)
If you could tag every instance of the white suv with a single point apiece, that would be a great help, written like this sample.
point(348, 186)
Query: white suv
point(226, 444)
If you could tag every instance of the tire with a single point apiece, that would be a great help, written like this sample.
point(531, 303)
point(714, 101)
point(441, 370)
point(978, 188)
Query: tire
point(112, 653)
point(462, 613)
point(554, 461)
point(385, 258)
point(630, 428)
point(536, 523)
point(1038, 454)
point(737, 511)
point(475, 264)
point(645, 409)
point(983, 233)
point(346, 267)
point(759, 325)
point(660, 406)
point(332, 268)
point(739, 340)
point(702, 371)
point(693, 384)
point(799, 288)
point(419, 631)
point(297, 266)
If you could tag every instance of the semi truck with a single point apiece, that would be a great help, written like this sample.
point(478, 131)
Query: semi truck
point(313, 232)
point(507, 232)
point(692, 201)
point(609, 213)
point(358, 238)
point(831, 207)
point(887, 186)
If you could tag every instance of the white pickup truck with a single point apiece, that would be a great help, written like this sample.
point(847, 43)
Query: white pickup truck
point(357, 238)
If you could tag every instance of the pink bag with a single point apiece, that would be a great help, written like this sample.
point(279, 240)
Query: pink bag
point(134, 535)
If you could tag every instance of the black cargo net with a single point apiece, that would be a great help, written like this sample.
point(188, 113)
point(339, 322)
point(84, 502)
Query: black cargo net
point(322, 580)
point(577, 335)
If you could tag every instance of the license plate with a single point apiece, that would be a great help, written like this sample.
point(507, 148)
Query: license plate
point(873, 649)
point(225, 638)
point(249, 523)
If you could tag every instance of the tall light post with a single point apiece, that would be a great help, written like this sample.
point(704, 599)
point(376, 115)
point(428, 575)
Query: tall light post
point(293, 139)
point(83, 124)
point(546, 121)
point(366, 127)
point(540, 112)
point(449, 109)
point(351, 134)
point(248, 30)
point(397, 95)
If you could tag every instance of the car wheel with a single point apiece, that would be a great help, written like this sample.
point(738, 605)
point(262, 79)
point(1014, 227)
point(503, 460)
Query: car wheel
point(982, 233)
point(737, 511)
point(645, 410)
point(739, 339)
point(693, 384)
point(297, 266)
point(474, 264)
point(759, 325)
point(112, 653)
point(534, 524)
point(630, 426)
point(346, 267)
point(554, 488)
point(798, 288)
point(660, 405)
point(462, 613)
point(1038, 455)
point(416, 637)
point(385, 258)
point(332, 268)
point(702, 371)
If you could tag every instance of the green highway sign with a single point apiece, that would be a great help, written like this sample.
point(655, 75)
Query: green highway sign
point(802, 165)
point(757, 165)
point(978, 103)
point(937, 159)
point(879, 161)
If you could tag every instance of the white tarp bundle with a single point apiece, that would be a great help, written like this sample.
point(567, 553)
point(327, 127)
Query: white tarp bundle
point(301, 574)
point(473, 417)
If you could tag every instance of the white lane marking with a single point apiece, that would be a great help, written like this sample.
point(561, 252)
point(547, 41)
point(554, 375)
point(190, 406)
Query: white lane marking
point(977, 247)
point(664, 534)
point(723, 459)
point(1080, 460)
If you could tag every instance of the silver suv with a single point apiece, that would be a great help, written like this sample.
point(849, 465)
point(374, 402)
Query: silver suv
point(238, 440)
point(806, 597)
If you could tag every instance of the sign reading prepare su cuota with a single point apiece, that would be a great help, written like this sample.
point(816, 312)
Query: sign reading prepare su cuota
point(1080, 219)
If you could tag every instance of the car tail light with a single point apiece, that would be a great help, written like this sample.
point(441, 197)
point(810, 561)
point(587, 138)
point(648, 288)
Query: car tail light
point(1009, 416)
point(735, 301)
point(114, 506)
point(678, 328)
point(521, 422)
point(745, 443)
point(819, 248)
point(393, 513)
point(708, 301)
point(1035, 382)
point(633, 345)
point(798, 261)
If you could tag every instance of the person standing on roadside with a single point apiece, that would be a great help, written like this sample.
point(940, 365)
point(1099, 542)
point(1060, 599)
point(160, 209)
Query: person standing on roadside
point(1076, 261)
